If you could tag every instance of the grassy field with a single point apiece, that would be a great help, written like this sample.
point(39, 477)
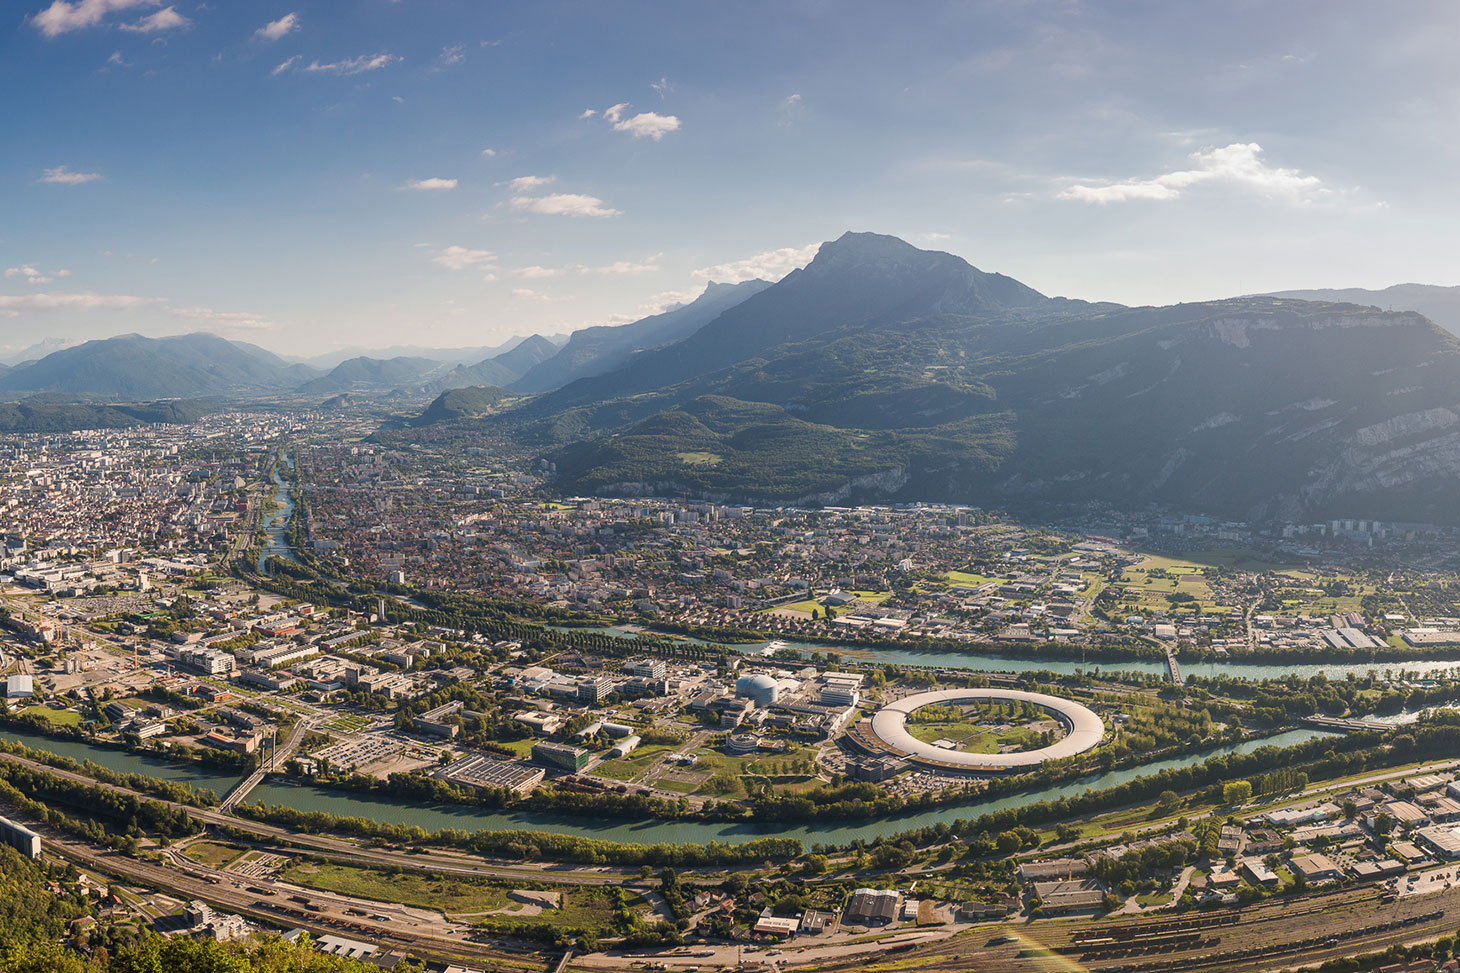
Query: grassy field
point(974, 737)
point(61, 717)
point(965, 578)
point(632, 766)
point(214, 854)
point(347, 724)
point(452, 895)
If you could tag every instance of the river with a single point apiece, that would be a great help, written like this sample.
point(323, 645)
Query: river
point(198, 776)
point(436, 816)
point(1065, 667)
point(276, 524)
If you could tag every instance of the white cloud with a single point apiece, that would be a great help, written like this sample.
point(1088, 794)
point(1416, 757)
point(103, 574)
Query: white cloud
point(622, 267)
point(563, 204)
point(523, 294)
point(224, 320)
point(452, 54)
point(1237, 165)
point(648, 125)
point(64, 176)
point(643, 125)
point(792, 111)
point(34, 276)
point(770, 265)
point(276, 29)
point(535, 273)
point(432, 183)
point(526, 184)
point(165, 19)
point(62, 16)
point(355, 65)
point(52, 301)
point(462, 258)
point(489, 153)
point(284, 66)
point(117, 61)
point(662, 87)
point(588, 113)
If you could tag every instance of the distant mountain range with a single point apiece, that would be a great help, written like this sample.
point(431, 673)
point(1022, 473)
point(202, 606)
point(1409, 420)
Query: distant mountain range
point(132, 367)
point(884, 372)
point(1440, 304)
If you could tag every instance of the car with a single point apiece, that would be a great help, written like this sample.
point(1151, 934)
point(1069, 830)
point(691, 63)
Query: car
point(379, 918)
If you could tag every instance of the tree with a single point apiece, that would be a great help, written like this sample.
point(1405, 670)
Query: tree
point(1008, 842)
point(1237, 792)
point(1168, 802)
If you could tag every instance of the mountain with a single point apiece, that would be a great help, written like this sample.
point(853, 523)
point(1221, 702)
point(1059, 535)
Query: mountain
point(859, 281)
point(881, 372)
point(40, 350)
point(133, 367)
point(366, 374)
point(1440, 304)
point(502, 370)
point(464, 403)
point(593, 351)
point(29, 417)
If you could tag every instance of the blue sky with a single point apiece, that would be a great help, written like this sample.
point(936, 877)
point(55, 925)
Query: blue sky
point(307, 175)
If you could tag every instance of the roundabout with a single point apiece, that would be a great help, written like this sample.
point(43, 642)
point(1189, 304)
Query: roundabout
point(1084, 730)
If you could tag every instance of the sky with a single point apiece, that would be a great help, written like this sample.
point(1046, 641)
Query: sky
point(315, 174)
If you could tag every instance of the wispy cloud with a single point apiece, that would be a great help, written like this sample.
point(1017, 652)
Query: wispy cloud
point(354, 65)
point(649, 124)
point(116, 60)
point(563, 204)
point(622, 267)
point(428, 184)
point(224, 320)
point(65, 176)
point(451, 55)
point(463, 258)
point(526, 184)
point(165, 19)
point(33, 276)
point(284, 65)
point(62, 17)
point(52, 301)
point(275, 29)
point(489, 153)
point(1238, 165)
point(770, 265)
point(662, 87)
point(535, 273)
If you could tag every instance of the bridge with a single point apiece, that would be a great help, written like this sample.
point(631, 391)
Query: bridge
point(1172, 667)
point(278, 754)
point(1340, 723)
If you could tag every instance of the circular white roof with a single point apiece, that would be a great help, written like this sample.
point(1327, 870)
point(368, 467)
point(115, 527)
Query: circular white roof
point(1086, 730)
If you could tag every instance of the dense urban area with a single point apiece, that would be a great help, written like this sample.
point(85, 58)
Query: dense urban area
point(394, 695)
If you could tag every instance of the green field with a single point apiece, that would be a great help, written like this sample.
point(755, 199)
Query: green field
point(61, 717)
point(632, 766)
point(214, 854)
point(964, 578)
point(452, 895)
